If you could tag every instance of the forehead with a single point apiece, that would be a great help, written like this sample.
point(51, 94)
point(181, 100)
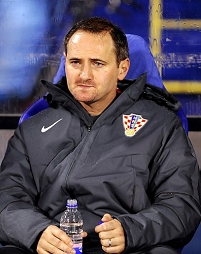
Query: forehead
point(85, 42)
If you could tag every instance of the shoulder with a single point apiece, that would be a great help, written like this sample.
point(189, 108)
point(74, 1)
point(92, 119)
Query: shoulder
point(161, 96)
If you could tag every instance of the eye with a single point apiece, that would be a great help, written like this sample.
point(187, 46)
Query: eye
point(75, 63)
point(98, 64)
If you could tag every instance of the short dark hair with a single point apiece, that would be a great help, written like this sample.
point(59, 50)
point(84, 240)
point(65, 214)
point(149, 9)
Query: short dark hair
point(97, 25)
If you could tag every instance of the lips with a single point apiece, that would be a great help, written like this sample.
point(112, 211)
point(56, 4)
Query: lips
point(84, 86)
point(87, 85)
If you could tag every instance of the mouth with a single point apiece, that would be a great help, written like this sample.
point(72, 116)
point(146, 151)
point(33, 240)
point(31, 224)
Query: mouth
point(82, 85)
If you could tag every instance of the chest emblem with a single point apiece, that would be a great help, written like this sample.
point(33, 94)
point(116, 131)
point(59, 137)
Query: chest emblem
point(133, 123)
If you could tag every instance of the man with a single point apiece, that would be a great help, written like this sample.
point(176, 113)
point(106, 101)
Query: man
point(122, 153)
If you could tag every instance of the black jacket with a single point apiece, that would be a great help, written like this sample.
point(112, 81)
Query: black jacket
point(134, 162)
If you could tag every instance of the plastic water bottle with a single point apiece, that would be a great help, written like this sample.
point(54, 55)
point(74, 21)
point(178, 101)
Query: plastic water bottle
point(71, 222)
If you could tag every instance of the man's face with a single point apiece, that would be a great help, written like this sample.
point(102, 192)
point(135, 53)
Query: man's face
point(91, 69)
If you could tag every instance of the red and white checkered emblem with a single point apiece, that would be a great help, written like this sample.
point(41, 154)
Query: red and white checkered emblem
point(133, 123)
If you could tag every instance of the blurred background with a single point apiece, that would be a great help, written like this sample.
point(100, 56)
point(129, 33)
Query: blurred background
point(31, 45)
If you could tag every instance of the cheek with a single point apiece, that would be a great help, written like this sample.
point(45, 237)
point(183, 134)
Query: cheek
point(70, 82)
point(70, 75)
point(109, 75)
point(68, 71)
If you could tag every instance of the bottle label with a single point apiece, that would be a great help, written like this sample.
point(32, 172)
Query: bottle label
point(78, 248)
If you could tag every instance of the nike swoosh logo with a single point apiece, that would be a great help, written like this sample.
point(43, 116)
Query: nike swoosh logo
point(44, 129)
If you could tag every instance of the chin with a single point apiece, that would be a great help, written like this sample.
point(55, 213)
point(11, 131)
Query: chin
point(84, 99)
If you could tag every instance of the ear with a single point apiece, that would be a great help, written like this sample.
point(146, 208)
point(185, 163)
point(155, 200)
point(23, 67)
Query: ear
point(123, 68)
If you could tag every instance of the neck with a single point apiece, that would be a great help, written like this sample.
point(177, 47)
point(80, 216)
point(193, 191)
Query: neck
point(93, 110)
point(97, 107)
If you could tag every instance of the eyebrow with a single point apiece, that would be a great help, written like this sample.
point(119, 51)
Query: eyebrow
point(97, 59)
point(74, 58)
point(92, 59)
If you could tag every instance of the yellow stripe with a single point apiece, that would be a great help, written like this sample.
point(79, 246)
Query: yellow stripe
point(155, 26)
point(187, 87)
point(181, 24)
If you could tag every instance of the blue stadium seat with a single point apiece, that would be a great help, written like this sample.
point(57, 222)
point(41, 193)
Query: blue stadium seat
point(35, 108)
point(142, 61)
point(194, 246)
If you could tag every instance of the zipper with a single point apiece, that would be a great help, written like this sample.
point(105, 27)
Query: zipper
point(89, 127)
point(73, 164)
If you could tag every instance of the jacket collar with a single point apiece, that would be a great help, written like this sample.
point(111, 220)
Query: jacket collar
point(60, 93)
point(130, 91)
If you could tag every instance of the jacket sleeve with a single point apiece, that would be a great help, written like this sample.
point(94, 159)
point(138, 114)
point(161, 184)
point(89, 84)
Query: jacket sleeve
point(20, 219)
point(174, 192)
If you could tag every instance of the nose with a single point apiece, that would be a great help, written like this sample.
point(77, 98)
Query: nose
point(86, 72)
